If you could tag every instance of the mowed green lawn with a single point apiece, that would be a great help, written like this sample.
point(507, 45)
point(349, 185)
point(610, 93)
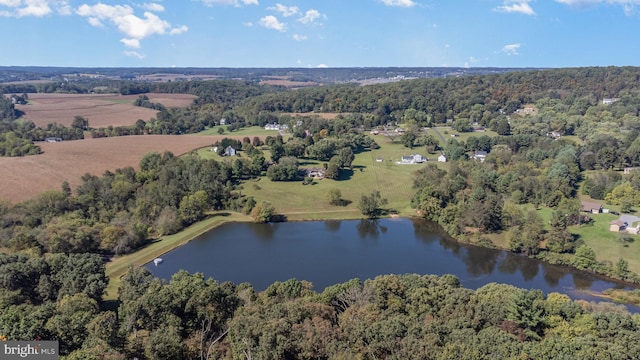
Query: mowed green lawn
point(248, 131)
point(606, 244)
point(298, 201)
point(461, 136)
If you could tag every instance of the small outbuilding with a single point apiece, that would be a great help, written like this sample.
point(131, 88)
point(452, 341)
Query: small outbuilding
point(616, 225)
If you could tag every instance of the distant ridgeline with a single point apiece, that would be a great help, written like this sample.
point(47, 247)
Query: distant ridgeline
point(468, 98)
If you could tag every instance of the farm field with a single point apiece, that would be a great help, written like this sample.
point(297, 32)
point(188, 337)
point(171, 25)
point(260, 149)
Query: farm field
point(26, 177)
point(101, 110)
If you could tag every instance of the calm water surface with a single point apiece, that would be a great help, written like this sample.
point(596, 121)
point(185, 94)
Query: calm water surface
point(331, 252)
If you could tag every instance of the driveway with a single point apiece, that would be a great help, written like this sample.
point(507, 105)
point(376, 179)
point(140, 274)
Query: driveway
point(629, 219)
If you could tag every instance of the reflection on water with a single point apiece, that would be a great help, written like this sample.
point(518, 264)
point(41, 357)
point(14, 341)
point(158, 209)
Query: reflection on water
point(370, 229)
point(332, 225)
point(331, 252)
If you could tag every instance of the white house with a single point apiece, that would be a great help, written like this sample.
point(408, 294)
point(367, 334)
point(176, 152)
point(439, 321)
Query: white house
point(412, 159)
point(442, 158)
point(479, 155)
point(223, 121)
point(229, 151)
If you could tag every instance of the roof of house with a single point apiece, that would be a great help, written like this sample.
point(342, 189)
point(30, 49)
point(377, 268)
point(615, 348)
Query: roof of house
point(589, 205)
point(617, 222)
point(480, 153)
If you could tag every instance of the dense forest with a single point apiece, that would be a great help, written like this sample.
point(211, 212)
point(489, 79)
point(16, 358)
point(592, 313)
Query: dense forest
point(389, 317)
point(561, 134)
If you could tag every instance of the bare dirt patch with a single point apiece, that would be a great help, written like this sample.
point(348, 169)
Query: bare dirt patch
point(102, 110)
point(25, 177)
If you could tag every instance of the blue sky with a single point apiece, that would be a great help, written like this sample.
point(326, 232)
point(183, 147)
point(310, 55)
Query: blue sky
point(326, 33)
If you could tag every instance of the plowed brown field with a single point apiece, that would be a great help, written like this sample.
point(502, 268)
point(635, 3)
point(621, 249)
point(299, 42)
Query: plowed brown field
point(101, 110)
point(22, 178)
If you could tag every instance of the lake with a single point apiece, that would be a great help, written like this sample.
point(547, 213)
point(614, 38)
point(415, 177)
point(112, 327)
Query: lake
point(331, 252)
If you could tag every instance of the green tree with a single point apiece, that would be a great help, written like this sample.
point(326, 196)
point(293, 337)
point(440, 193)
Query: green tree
point(80, 122)
point(407, 139)
point(527, 311)
point(622, 268)
point(192, 207)
point(335, 197)
point(345, 155)
point(585, 258)
point(369, 205)
point(263, 212)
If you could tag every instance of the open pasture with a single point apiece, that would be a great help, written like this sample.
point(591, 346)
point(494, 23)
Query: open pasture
point(394, 181)
point(25, 177)
point(101, 110)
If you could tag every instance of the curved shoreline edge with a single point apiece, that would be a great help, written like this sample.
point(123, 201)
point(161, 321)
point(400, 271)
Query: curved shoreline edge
point(118, 266)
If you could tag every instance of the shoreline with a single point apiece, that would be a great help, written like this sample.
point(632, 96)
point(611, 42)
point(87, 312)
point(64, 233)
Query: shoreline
point(118, 266)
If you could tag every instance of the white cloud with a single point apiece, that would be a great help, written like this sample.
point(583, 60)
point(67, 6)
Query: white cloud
point(123, 18)
point(95, 22)
point(179, 30)
point(134, 54)
point(285, 11)
point(472, 60)
point(516, 6)
point(298, 37)
point(400, 3)
point(153, 7)
point(511, 49)
point(627, 5)
point(11, 3)
point(64, 8)
point(131, 43)
point(235, 3)
point(322, 66)
point(37, 8)
point(310, 17)
point(271, 22)
point(34, 8)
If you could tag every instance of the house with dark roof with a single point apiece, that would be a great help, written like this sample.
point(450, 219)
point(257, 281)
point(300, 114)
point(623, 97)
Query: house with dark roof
point(591, 207)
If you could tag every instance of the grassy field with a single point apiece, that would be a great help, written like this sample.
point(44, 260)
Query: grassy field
point(298, 201)
point(448, 131)
point(248, 131)
point(119, 265)
point(606, 244)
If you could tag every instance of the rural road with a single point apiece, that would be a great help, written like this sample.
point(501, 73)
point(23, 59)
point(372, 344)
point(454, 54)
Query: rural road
point(444, 142)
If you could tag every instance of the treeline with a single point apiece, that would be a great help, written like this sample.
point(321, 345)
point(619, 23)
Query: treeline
point(502, 193)
point(470, 97)
point(122, 210)
point(143, 101)
point(391, 316)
